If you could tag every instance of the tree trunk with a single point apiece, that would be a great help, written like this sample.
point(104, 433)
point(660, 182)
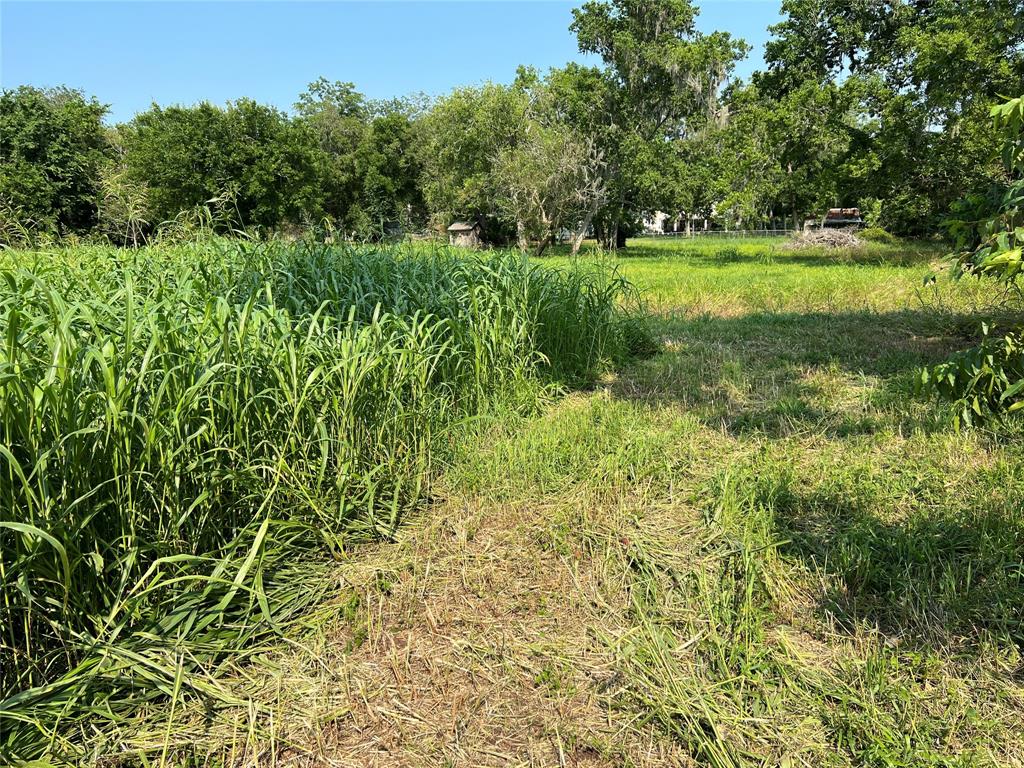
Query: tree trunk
point(544, 243)
point(792, 195)
point(523, 242)
point(618, 239)
point(577, 238)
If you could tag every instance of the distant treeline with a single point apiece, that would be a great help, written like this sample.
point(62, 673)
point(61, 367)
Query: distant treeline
point(878, 105)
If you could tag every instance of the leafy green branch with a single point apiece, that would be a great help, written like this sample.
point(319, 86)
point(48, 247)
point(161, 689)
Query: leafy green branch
point(987, 381)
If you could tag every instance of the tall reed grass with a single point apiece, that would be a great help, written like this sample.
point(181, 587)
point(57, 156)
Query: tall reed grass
point(179, 425)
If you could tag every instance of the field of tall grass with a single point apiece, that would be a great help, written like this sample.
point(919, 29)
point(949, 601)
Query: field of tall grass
point(187, 434)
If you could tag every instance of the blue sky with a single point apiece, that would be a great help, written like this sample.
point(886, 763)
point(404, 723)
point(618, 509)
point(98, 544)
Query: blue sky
point(129, 54)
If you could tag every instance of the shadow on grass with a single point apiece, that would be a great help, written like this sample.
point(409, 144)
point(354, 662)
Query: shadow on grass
point(943, 576)
point(780, 373)
point(949, 572)
point(887, 256)
point(728, 256)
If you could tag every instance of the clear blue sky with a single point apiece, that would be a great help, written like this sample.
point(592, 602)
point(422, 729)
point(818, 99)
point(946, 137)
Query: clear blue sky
point(129, 54)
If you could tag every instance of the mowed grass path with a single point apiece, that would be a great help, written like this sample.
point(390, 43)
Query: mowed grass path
point(755, 548)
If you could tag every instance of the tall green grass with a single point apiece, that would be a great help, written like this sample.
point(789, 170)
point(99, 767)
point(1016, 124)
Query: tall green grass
point(178, 424)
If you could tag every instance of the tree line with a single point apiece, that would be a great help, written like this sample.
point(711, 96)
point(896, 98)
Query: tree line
point(880, 105)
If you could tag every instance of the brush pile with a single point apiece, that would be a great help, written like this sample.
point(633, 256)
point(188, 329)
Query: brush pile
point(825, 238)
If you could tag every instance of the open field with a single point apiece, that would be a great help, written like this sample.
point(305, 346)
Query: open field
point(754, 548)
point(342, 427)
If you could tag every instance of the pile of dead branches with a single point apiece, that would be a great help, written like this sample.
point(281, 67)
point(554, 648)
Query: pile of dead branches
point(826, 238)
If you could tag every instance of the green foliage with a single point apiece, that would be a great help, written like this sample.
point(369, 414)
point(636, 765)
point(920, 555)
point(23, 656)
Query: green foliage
point(388, 170)
point(870, 104)
point(368, 160)
point(914, 79)
point(982, 382)
point(123, 209)
point(550, 182)
point(667, 71)
point(52, 146)
point(877, 235)
point(18, 230)
point(187, 156)
point(178, 425)
point(462, 137)
point(772, 158)
point(662, 80)
point(988, 380)
point(336, 114)
point(811, 569)
point(989, 227)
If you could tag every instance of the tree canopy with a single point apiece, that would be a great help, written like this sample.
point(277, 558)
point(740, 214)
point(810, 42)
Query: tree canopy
point(914, 81)
point(52, 145)
point(254, 153)
point(869, 104)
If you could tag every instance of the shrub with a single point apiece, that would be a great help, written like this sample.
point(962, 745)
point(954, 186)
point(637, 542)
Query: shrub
point(982, 382)
point(989, 232)
point(188, 155)
point(52, 144)
point(877, 235)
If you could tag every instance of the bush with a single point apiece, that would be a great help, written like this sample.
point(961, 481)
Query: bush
point(187, 156)
point(983, 382)
point(988, 380)
point(877, 235)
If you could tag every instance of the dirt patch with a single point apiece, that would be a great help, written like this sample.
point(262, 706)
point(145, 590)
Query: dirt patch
point(486, 651)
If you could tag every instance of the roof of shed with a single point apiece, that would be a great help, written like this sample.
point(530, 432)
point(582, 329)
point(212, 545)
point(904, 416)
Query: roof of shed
point(843, 213)
point(462, 226)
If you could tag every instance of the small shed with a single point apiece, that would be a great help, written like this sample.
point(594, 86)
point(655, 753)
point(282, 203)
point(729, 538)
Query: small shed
point(465, 234)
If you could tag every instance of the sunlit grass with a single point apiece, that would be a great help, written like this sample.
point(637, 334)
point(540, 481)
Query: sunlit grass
point(819, 568)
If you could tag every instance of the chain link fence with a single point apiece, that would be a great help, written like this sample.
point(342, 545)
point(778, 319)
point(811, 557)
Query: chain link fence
point(723, 233)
